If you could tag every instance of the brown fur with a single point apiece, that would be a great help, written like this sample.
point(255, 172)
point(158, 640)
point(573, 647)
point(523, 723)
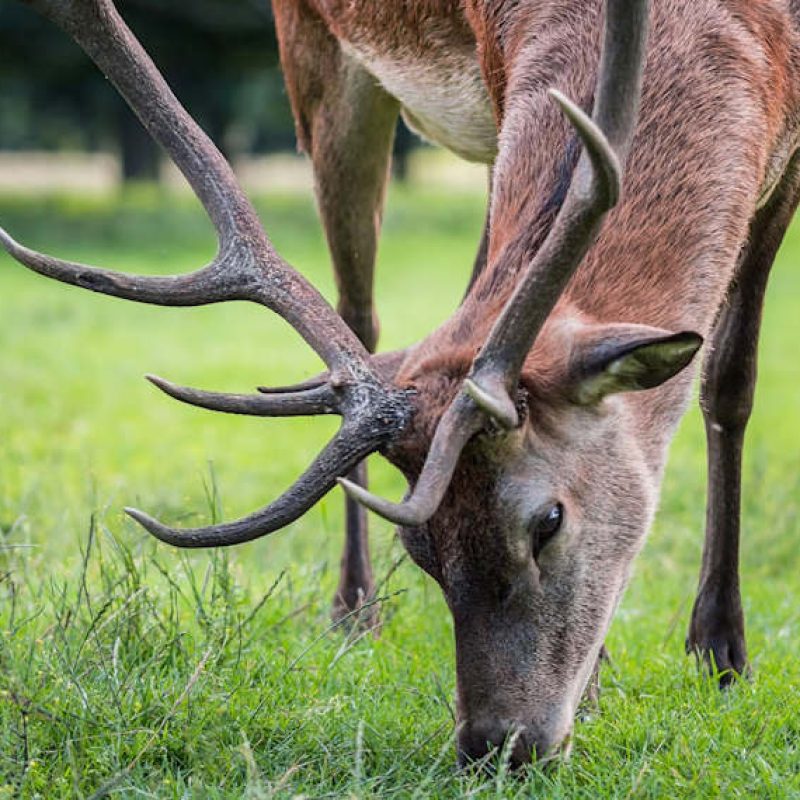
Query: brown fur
point(718, 122)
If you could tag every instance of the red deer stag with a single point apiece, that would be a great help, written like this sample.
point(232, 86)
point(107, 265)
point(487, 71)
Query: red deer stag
point(533, 463)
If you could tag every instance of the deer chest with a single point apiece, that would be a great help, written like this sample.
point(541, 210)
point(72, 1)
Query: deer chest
point(443, 95)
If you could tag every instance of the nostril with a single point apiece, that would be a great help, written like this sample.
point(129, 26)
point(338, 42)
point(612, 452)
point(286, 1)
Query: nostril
point(477, 741)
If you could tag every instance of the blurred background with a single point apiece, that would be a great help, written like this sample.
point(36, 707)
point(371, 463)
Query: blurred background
point(61, 123)
point(82, 435)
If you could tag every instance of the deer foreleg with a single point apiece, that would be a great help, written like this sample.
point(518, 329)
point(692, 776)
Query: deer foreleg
point(716, 631)
point(346, 123)
point(481, 257)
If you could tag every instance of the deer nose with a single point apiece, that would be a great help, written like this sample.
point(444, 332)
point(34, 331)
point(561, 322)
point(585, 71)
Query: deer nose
point(479, 739)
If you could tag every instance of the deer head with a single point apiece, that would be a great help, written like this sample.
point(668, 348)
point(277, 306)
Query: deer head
point(534, 536)
point(530, 495)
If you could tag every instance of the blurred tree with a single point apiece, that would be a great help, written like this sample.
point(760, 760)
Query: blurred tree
point(219, 56)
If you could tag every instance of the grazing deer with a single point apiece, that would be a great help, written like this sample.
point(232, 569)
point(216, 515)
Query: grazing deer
point(534, 463)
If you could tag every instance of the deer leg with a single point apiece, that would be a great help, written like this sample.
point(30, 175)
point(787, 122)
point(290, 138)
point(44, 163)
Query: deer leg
point(716, 631)
point(482, 256)
point(346, 123)
point(351, 163)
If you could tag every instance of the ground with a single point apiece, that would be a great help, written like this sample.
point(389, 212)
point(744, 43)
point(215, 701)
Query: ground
point(130, 669)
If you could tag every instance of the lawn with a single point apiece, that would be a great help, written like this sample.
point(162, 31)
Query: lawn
point(130, 669)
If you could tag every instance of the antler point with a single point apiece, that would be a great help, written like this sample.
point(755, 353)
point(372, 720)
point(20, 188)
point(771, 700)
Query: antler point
point(350, 488)
point(500, 408)
point(139, 516)
point(163, 384)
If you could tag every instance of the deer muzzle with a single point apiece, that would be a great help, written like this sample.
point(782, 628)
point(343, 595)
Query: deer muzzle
point(481, 740)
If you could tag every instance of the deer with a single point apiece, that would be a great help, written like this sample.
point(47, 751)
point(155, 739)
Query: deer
point(643, 170)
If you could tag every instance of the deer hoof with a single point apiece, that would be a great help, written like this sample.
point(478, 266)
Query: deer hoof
point(717, 640)
point(351, 613)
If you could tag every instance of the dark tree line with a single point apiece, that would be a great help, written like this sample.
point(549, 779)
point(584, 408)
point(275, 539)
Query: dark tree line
point(219, 56)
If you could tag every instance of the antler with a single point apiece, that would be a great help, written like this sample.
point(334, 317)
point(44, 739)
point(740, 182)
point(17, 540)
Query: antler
point(594, 190)
point(456, 427)
point(246, 268)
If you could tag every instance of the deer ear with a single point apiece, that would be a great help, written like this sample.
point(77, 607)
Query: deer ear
point(627, 358)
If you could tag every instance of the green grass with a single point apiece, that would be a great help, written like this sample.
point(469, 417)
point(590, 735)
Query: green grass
point(131, 668)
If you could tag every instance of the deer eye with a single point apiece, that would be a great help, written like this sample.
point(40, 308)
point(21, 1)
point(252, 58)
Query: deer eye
point(546, 527)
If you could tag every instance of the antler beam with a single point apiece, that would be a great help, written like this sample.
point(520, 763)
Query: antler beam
point(247, 266)
point(595, 190)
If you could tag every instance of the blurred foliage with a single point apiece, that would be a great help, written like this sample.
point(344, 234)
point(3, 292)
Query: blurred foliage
point(220, 57)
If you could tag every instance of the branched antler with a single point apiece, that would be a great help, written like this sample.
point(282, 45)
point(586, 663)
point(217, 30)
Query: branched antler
point(246, 268)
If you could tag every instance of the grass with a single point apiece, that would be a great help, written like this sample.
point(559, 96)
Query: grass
point(128, 669)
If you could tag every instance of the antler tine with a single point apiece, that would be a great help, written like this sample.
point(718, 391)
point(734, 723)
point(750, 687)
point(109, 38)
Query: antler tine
point(302, 386)
point(350, 445)
point(247, 266)
point(593, 192)
point(457, 426)
point(385, 365)
point(319, 399)
point(197, 288)
point(317, 395)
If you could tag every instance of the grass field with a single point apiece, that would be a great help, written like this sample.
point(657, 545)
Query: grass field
point(133, 670)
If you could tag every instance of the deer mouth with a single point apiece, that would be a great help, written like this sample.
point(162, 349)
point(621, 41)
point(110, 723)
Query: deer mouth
point(481, 745)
